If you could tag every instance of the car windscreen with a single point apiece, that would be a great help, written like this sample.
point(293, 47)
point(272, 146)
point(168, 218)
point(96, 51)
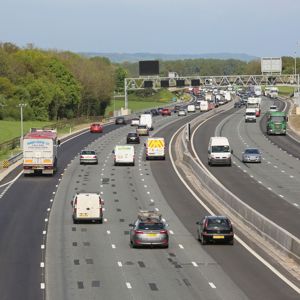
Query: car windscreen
point(151, 226)
point(250, 113)
point(86, 152)
point(277, 119)
point(251, 151)
point(220, 149)
point(211, 223)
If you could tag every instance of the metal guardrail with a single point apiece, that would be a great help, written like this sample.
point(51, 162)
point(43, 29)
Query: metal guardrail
point(267, 229)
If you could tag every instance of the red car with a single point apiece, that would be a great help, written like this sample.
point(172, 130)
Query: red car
point(96, 128)
point(166, 112)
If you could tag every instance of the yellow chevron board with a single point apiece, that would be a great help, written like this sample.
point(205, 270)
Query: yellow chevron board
point(156, 143)
point(5, 164)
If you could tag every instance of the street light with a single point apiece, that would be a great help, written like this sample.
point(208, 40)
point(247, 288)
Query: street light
point(21, 105)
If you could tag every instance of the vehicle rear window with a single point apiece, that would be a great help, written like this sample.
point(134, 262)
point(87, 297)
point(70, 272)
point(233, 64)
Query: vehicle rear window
point(151, 226)
point(251, 151)
point(86, 152)
point(217, 222)
point(132, 134)
point(142, 126)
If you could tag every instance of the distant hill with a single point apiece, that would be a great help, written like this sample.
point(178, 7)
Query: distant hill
point(134, 57)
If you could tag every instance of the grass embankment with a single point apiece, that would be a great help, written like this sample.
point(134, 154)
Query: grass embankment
point(136, 103)
point(285, 90)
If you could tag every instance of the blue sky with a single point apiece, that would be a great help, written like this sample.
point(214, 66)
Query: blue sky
point(257, 27)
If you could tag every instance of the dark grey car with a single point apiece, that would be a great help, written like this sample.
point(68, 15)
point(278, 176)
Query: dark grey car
point(251, 155)
point(149, 230)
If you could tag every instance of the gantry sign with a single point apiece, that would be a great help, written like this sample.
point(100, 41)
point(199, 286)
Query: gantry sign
point(157, 82)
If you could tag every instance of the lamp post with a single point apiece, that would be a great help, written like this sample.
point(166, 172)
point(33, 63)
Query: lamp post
point(21, 105)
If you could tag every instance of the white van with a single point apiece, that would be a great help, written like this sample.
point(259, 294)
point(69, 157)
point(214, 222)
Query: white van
point(124, 155)
point(203, 105)
point(146, 119)
point(87, 207)
point(250, 115)
point(219, 152)
point(191, 108)
point(155, 148)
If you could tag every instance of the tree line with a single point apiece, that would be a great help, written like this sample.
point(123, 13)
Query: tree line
point(53, 84)
point(61, 84)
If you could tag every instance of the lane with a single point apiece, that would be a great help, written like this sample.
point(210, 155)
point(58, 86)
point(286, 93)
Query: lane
point(240, 183)
point(278, 172)
point(86, 260)
point(254, 279)
point(23, 210)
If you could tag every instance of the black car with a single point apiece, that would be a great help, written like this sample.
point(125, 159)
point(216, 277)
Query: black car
point(147, 112)
point(154, 112)
point(133, 138)
point(120, 121)
point(215, 229)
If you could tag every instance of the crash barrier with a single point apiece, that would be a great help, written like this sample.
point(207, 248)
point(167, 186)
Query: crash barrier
point(267, 229)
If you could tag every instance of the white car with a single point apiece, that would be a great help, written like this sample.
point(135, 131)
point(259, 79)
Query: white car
point(182, 112)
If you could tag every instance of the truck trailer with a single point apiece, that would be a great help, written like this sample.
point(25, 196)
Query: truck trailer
point(40, 151)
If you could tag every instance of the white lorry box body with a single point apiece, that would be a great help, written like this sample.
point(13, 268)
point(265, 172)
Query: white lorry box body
point(124, 155)
point(155, 148)
point(250, 115)
point(274, 92)
point(208, 96)
point(191, 108)
point(203, 105)
point(227, 96)
point(146, 119)
point(40, 152)
point(257, 90)
point(219, 152)
point(87, 207)
point(254, 102)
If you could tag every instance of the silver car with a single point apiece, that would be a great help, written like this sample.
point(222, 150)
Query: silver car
point(149, 230)
point(88, 157)
point(251, 155)
point(142, 130)
point(182, 112)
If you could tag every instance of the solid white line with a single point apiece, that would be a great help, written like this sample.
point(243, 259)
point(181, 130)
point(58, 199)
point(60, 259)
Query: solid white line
point(212, 285)
point(194, 264)
point(256, 255)
point(128, 285)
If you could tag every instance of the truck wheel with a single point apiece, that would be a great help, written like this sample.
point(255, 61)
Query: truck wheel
point(101, 221)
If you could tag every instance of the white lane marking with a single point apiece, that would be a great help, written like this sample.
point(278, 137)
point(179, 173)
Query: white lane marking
point(180, 246)
point(296, 204)
point(148, 193)
point(128, 285)
point(291, 176)
point(143, 179)
point(269, 188)
point(43, 286)
point(194, 264)
point(259, 182)
point(249, 249)
point(156, 209)
point(212, 285)
point(42, 246)
point(51, 200)
point(101, 185)
point(171, 231)
point(48, 209)
point(145, 186)
point(56, 185)
point(282, 171)
point(251, 176)
point(53, 193)
point(44, 232)
point(151, 200)
point(46, 220)
point(281, 196)
point(42, 265)
point(101, 193)
point(113, 246)
point(105, 220)
point(108, 231)
point(120, 264)
point(275, 167)
point(141, 174)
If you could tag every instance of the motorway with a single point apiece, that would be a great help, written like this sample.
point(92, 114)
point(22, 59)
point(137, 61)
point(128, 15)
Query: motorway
point(272, 187)
point(92, 261)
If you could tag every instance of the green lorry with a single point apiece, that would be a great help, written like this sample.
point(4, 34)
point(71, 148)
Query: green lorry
point(276, 122)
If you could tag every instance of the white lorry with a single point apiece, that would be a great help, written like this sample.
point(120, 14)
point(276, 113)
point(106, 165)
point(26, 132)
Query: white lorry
point(124, 155)
point(87, 207)
point(257, 90)
point(250, 115)
point(40, 151)
point(155, 148)
point(203, 105)
point(255, 102)
point(146, 119)
point(273, 92)
point(227, 96)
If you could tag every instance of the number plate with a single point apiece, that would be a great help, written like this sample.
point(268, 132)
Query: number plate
point(83, 214)
point(218, 237)
point(151, 234)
